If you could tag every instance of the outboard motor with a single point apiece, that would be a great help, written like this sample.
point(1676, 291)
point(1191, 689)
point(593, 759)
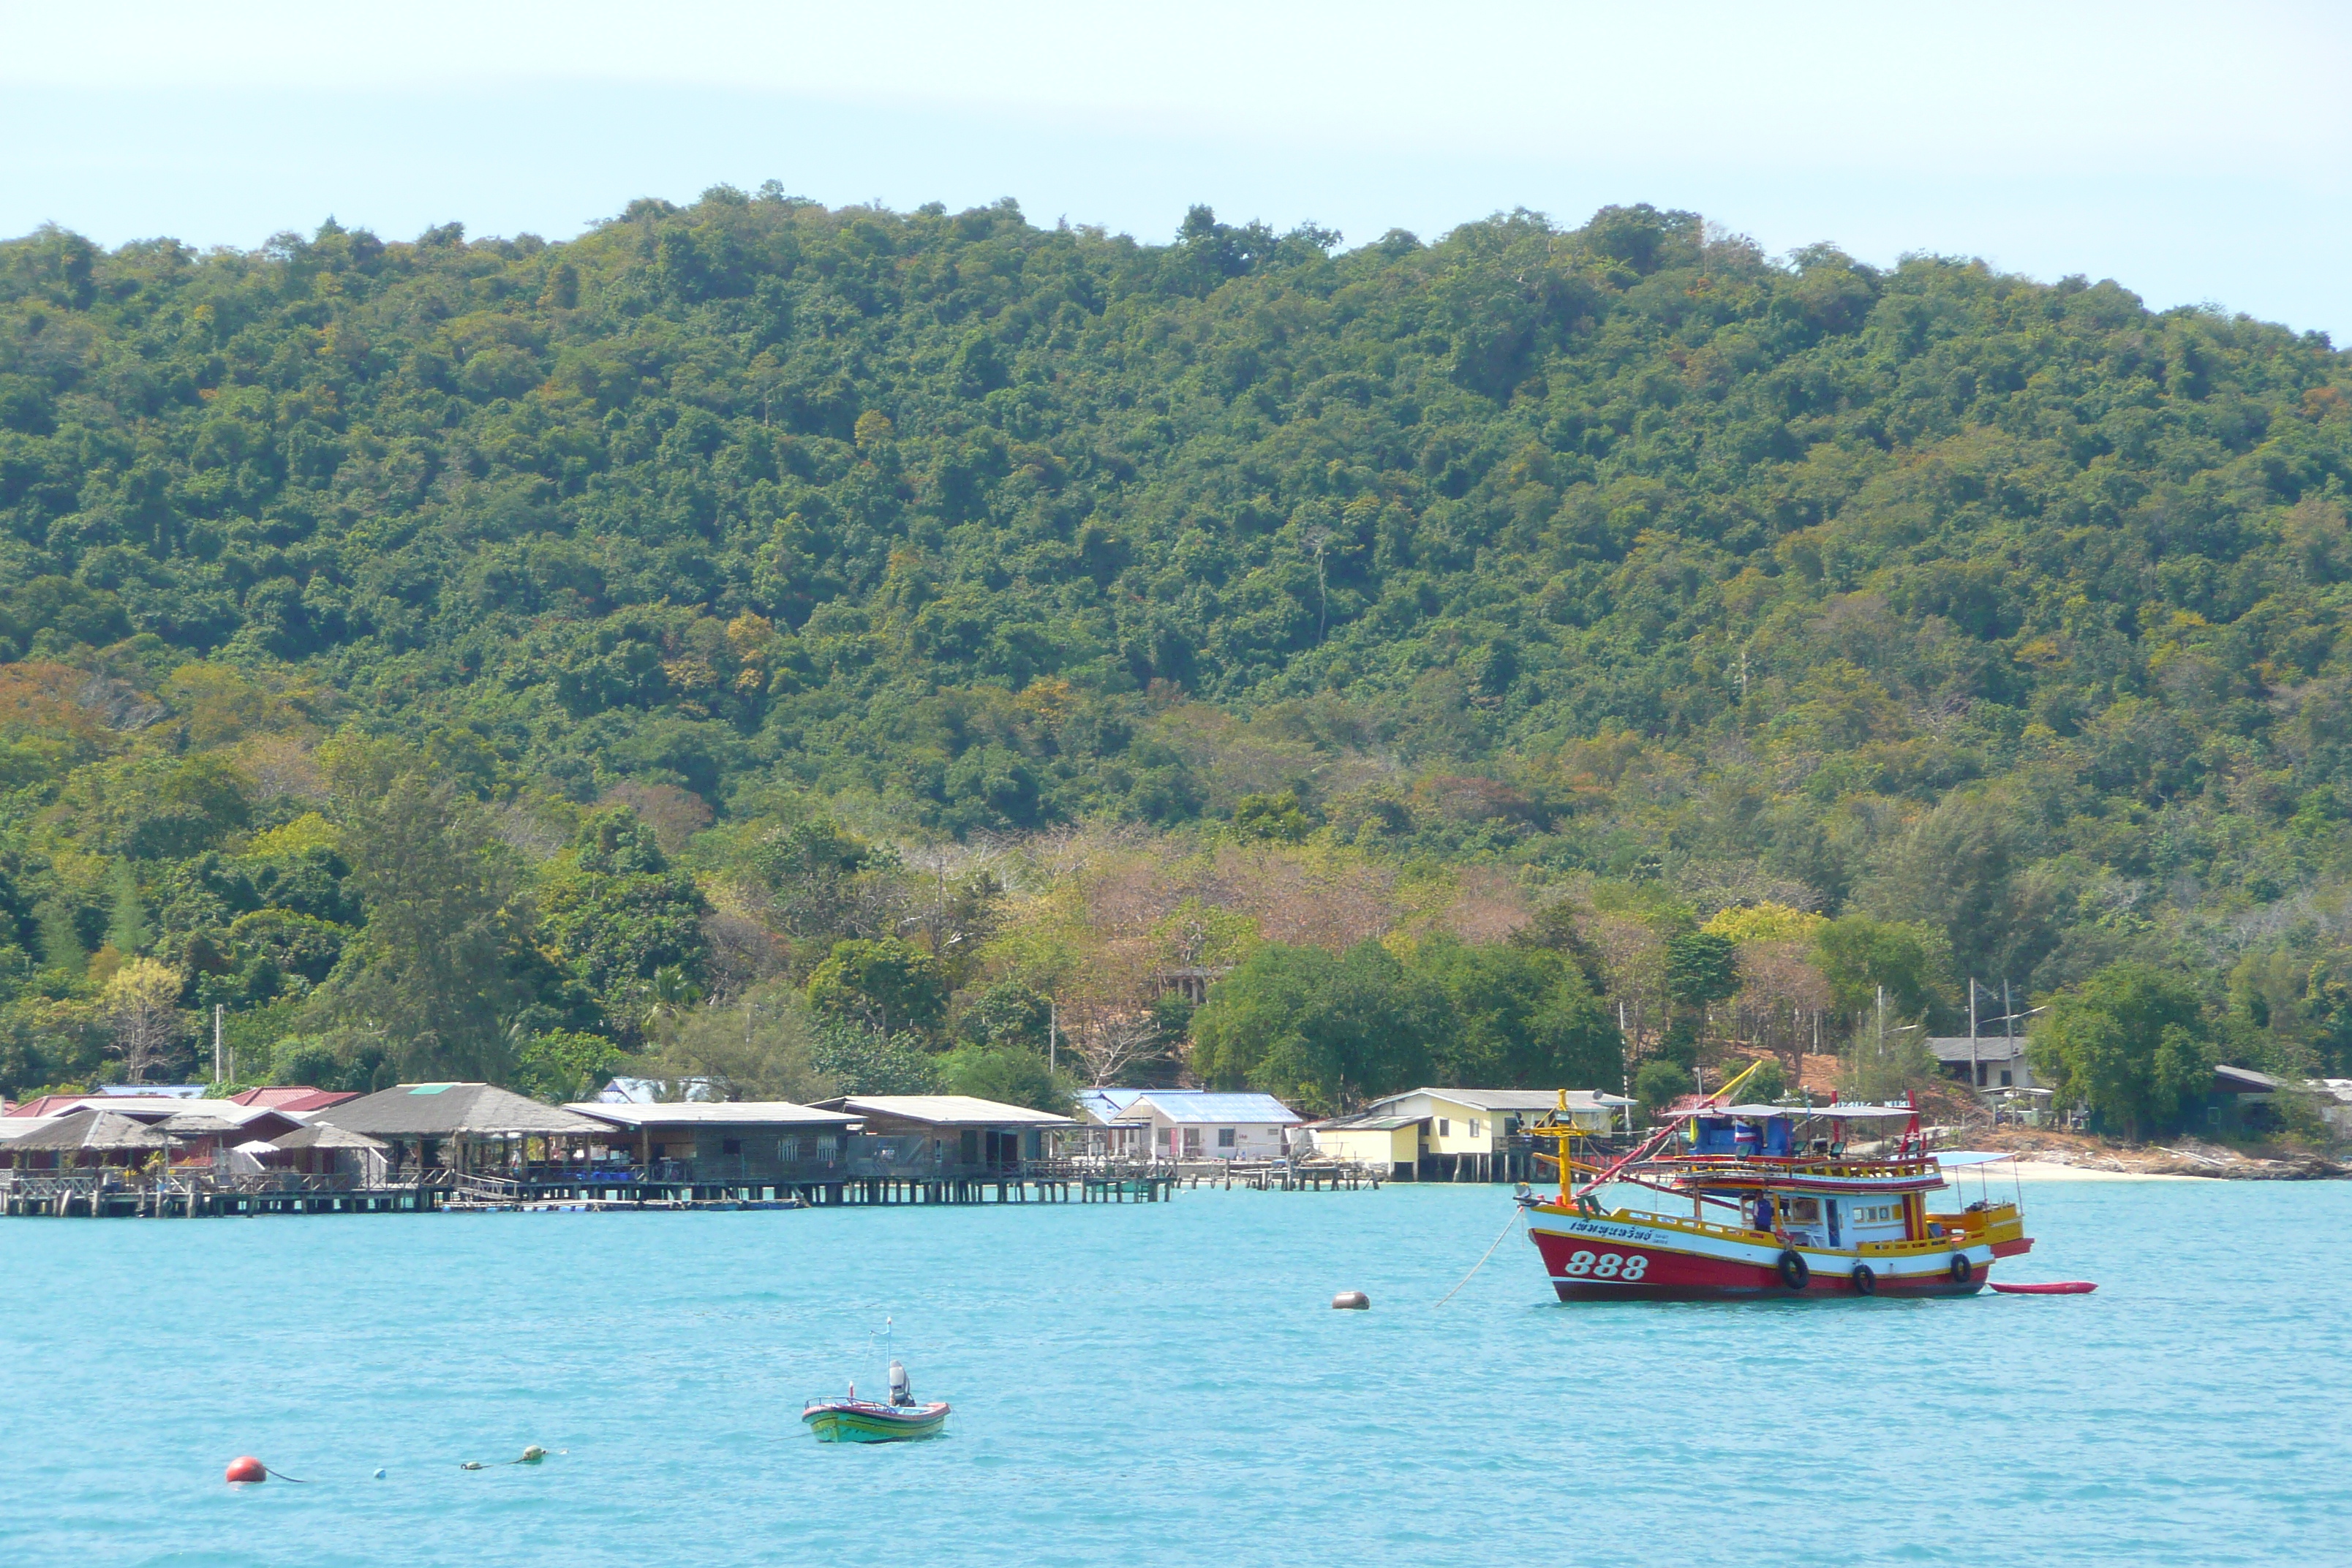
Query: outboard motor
point(901, 1392)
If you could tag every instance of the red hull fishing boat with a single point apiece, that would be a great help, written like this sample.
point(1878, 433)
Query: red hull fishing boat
point(1777, 1208)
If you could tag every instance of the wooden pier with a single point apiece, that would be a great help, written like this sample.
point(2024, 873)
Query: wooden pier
point(111, 1195)
point(1282, 1176)
point(96, 1195)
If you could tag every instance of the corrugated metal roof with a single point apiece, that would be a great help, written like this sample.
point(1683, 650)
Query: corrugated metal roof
point(1484, 1099)
point(291, 1097)
point(1192, 1105)
point(445, 1110)
point(1107, 1104)
point(1989, 1047)
point(1369, 1124)
point(725, 1114)
point(944, 1109)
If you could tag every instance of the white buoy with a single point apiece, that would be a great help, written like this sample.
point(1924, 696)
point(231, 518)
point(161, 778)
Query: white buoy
point(1351, 1301)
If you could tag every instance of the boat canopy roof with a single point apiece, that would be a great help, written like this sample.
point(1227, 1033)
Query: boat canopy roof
point(1838, 1112)
point(1954, 1157)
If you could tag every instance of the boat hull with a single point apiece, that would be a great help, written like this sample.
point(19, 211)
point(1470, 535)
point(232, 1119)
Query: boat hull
point(858, 1421)
point(1626, 1256)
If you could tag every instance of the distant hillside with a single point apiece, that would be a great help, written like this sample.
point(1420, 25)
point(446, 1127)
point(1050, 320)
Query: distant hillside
point(1622, 552)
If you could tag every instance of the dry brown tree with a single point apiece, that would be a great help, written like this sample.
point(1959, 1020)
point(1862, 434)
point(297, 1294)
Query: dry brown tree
point(1782, 996)
point(142, 1000)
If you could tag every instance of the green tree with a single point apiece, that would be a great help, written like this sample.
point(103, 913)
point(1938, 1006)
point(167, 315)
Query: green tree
point(1858, 954)
point(887, 985)
point(761, 1044)
point(2134, 1044)
point(630, 926)
point(1517, 1017)
point(1013, 1075)
point(1320, 1031)
point(1659, 1083)
point(431, 980)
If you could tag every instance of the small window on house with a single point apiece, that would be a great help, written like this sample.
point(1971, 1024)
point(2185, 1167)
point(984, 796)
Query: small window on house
point(1191, 1141)
point(1475, 1129)
point(730, 1146)
point(1225, 1137)
point(1444, 1128)
point(2004, 1078)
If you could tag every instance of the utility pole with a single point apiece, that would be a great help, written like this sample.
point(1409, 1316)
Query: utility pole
point(1626, 1060)
point(1053, 1034)
point(1975, 1077)
point(217, 1043)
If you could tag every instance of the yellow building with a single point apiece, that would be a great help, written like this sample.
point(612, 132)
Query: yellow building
point(1458, 1134)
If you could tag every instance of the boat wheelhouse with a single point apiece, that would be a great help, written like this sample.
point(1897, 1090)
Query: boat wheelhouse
point(1779, 1205)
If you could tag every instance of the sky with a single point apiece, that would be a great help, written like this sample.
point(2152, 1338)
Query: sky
point(2197, 154)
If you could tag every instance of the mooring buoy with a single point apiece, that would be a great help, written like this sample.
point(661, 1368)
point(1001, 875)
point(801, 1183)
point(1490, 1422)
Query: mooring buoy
point(1351, 1301)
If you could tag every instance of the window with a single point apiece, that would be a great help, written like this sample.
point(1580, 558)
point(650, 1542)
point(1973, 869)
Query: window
point(1225, 1137)
point(730, 1146)
point(2004, 1078)
point(1444, 1128)
point(1191, 1141)
point(1475, 1131)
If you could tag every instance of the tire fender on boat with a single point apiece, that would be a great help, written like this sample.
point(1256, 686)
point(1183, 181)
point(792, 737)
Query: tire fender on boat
point(1865, 1282)
point(1794, 1271)
point(1962, 1269)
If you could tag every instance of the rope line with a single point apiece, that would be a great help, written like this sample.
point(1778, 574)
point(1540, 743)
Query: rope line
point(1516, 1214)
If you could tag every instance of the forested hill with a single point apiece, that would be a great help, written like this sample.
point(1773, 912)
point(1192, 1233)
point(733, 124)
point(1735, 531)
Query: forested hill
point(2014, 609)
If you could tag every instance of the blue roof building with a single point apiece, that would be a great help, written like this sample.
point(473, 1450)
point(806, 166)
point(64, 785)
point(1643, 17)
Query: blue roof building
point(1207, 1124)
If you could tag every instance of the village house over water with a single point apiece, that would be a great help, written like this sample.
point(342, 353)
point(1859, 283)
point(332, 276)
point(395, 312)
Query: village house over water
point(467, 1146)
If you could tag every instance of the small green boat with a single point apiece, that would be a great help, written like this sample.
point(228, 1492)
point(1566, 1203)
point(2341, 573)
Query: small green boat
point(856, 1420)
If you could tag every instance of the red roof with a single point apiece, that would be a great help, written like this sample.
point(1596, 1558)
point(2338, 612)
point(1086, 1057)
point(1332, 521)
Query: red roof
point(293, 1097)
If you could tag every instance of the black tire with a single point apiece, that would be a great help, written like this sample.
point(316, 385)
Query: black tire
point(1794, 1271)
point(1866, 1283)
point(1962, 1269)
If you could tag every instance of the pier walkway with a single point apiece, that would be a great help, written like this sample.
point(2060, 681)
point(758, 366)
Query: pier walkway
point(115, 1194)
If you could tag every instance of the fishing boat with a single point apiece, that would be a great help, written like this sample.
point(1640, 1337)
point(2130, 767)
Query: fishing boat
point(1776, 1206)
point(855, 1420)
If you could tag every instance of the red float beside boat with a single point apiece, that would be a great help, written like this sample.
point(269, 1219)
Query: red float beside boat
point(1778, 1208)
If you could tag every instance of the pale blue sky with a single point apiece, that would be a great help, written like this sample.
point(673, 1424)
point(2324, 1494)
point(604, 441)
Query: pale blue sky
point(2195, 153)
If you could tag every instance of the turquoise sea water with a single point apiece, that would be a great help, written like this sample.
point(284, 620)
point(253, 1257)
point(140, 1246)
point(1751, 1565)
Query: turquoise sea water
point(1163, 1383)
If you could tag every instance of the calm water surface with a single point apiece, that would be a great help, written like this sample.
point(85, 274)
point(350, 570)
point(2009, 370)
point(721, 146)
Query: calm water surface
point(1163, 1383)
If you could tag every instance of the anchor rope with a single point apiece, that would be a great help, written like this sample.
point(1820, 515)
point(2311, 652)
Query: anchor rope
point(1517, 1216)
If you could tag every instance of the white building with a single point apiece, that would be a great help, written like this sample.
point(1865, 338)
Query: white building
point(1989, 1062)
point(1202, 1124)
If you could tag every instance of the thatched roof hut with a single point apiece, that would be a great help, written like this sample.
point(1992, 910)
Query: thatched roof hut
point(85, 1138)
point(479, 1122)
point(326, 1135)
point(454, 1111)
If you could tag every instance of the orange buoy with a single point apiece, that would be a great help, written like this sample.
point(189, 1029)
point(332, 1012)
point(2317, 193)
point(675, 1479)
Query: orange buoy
point(245, 1470)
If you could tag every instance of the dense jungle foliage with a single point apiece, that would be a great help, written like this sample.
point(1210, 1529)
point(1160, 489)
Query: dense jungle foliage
point(504, 656)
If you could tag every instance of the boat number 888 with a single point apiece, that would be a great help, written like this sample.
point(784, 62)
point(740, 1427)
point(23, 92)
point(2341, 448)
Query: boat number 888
point(1608, 1266)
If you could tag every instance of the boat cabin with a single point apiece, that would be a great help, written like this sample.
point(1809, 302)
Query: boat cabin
point(1741, 1129)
